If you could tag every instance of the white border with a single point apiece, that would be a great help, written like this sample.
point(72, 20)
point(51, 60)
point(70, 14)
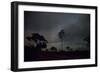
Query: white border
point(22, 64)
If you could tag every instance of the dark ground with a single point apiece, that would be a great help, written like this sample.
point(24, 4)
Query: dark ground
point(34, 55)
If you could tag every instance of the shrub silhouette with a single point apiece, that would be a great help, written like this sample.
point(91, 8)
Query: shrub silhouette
point(68, 48)
point(54, 49)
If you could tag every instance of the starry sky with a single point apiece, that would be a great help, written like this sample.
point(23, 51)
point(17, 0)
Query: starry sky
point(76, 26)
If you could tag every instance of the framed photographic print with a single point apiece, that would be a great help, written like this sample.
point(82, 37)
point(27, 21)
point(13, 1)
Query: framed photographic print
point(52, 36)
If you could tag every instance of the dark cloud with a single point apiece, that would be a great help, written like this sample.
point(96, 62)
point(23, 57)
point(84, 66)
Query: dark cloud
point(49, 24)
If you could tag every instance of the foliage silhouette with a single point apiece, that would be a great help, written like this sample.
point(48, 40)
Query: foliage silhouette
point(33, 52)
point(61, 36)
point(68, 48)
point(87, 39)
point(54, 49)
point(39, 40)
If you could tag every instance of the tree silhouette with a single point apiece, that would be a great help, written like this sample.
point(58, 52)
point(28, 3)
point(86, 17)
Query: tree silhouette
point(87, 39)
point(33, 52)
point(61, 36)
point(39, 40)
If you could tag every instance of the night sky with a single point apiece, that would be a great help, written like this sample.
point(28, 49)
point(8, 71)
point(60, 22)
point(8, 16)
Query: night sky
point(76, 27)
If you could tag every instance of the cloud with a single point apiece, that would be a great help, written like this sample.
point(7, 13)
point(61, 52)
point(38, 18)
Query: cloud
point(75, 26)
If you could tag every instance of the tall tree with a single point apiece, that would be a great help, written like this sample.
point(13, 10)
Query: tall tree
point(61, 36)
